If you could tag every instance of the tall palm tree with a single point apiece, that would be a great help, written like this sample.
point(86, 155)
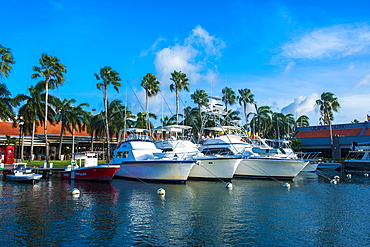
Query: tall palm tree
point(107, 76)
point(33, 110)
point(6, 107)
point(6, 60)
point(245, 98)
point(181, 82)
point(151, 87)
point(327, 104)
point(200, 97)
point(53, 72)
point(62, 107)
point(228, 97)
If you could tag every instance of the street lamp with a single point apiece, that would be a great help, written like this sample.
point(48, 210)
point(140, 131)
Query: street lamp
point(20, 124)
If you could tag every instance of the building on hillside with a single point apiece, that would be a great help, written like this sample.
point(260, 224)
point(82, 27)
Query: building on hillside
point(339, 136)
point(82, 141)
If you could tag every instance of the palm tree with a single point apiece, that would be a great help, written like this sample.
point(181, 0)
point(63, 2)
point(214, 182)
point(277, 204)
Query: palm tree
point(53, 72)
point(76, 120)
point(231, 117)
point(228, 97)
point(33, 110)
point(245, 97)
point(302, 121)
point(108, 76)
point(327, 104)
point(65, 110)
point(200, 97)
point(142, 122)
point(180, 83)
point(5, 61)
point(168, 120)
point(5, 103)
point(262, 122)
point(151, 86)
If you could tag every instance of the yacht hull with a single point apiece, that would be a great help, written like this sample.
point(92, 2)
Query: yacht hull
point(29, 178)
point(211, 168)
point(270, 168)
point(94, 173)
point(356, 166)
point(156, 170)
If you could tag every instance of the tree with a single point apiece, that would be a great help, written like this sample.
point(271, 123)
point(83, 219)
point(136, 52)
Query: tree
point(228, 97)
point(200, 97)
point(33, 110)
point(180, 83)
point(107, 76)
point(5, 103)
point(231, 117)
point(142, 122)
point(67, 113)
point(151, 87)
point(76, 119)
point(327, 104)
point(262, 122)
point(245, 97)
point(53, 72)
point(302, 121)
point(5, 61)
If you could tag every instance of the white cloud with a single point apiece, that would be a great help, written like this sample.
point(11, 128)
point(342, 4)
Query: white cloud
point(353, 107)
point(335, 41)
point(289, 66)
point(152, 48)
point(364, 81)
point(194, 57)
point(301, 105)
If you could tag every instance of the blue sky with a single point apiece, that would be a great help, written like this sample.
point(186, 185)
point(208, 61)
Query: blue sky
point(286, 52)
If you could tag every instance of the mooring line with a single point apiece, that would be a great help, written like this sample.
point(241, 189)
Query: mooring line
point(262, 171)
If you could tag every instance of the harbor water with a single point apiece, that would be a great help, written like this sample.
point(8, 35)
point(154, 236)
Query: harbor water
point(312, 212)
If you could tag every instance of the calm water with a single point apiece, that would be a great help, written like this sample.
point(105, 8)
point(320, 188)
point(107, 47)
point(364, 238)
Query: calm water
point(130, 213)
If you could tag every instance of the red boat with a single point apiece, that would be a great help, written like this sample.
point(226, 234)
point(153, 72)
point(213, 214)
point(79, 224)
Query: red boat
point(90, 171)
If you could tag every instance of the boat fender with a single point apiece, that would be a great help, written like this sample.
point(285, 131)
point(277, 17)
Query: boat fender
point(75, 191)
point(286, 185)
point(161, 192)
point(337, 178)
point(349, 175)
point(229, 185)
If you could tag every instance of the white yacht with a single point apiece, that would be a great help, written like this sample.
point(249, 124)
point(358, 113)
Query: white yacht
point(259, 161)
point(135, 155)
point(358, 159)
point(178, 145)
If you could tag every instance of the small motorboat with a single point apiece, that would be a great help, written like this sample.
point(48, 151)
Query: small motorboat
point(90, 171)
point(22, 174)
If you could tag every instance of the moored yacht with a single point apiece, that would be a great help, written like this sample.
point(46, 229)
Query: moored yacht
point(358, 159)
point(179, 145)
point(135, 155)
point(259, 161)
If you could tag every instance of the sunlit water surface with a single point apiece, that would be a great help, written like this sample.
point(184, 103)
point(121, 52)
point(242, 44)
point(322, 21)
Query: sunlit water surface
point(312, 212)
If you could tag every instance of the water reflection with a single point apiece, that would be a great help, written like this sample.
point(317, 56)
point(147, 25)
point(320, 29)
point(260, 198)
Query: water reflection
point(255, 212)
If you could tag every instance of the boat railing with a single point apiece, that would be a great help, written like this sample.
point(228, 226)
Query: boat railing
point(138, 137)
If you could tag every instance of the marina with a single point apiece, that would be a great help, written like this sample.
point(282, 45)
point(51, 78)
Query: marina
point(311, 212)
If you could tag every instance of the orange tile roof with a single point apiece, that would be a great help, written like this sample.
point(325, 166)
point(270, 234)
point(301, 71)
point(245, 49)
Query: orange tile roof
point(367, 132)
point(7, 129)
point(326, 133)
